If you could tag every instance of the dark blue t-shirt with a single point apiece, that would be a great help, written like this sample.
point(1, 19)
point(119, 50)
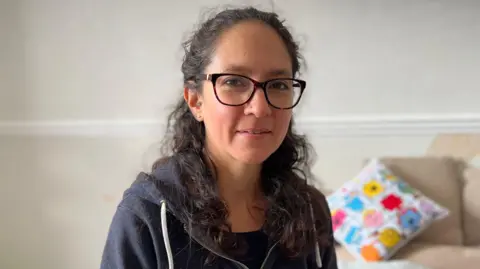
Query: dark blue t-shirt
point(257, 243)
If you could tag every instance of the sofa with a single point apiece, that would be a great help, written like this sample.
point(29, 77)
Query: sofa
point(453, 242)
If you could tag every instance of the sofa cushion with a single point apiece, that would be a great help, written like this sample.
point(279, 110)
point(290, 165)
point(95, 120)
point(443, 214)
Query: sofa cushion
point(430, 255)
point(441, 256)
point(376, 213)
point(471, 209)
point(439, 178)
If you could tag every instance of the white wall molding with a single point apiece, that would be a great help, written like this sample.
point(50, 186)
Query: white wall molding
point(81, 128)
point(338, 126)
point(391, 125)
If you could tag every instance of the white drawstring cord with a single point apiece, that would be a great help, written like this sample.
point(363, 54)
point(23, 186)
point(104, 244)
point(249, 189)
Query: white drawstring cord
point(166, 239)
point(168, 248)
point(318, 258)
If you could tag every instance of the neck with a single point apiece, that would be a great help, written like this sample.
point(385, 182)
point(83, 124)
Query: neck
point(238, 183)
point(239, 187)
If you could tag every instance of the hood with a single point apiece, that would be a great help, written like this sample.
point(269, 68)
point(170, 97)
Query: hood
point(153, 187)
point(163, 184)
point(163, 187)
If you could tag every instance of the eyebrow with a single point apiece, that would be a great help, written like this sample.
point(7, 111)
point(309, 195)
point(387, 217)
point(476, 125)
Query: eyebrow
point(245, 70)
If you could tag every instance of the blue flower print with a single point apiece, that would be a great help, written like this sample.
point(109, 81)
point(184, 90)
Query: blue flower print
point(405, 188)
point(355, 204)
point(335, 200)
point(353, 236)
point(410, 219)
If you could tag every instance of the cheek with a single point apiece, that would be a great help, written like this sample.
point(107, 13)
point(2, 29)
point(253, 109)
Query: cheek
point(220, 120)
point(213, 112)
point(283, 121)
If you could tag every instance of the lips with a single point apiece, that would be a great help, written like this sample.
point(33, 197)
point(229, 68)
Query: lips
point(255, 131)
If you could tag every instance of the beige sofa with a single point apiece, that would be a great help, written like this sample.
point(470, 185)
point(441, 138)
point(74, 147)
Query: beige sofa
point(453, 242)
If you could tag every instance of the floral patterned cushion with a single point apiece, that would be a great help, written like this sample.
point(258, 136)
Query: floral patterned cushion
point(377, 213)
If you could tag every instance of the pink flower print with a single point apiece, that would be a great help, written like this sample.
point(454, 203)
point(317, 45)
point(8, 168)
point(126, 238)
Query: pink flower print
point(427, 207)
point(338, 217)
point(372, 218)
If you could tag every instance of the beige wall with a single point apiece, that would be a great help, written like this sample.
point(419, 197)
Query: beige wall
point(59, 192)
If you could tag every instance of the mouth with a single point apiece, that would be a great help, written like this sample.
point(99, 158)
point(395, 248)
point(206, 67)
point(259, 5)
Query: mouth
point(255, 131)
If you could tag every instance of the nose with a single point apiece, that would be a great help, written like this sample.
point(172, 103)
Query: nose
point(258, 105)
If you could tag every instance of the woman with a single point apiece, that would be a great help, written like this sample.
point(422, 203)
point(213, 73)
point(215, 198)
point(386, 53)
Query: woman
point(232, 192)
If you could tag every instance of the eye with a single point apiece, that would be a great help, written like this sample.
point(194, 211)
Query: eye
point(234, 81)
point(280, 85)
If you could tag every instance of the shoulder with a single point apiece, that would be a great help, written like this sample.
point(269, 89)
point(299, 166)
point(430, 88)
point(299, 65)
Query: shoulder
point(136, 213)
point(319, 203)
point(323, 223)
point(322, 216)
point(142, 198)
point(149, 190)
point(135, 234)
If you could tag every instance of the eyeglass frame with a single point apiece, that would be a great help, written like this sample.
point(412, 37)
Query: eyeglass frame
point(256, 84)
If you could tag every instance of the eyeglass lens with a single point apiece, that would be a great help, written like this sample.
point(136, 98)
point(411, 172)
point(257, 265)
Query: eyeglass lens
point(236, 90)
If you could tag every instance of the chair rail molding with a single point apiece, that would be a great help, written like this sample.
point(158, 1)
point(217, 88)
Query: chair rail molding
point(335, 125)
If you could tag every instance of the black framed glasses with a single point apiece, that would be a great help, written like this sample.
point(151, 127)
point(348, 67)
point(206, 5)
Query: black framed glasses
point(237, 90)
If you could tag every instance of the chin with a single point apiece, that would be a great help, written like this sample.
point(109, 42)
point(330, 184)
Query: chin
point(253, 156)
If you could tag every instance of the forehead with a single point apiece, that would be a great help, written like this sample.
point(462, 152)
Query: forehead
point(251, 48)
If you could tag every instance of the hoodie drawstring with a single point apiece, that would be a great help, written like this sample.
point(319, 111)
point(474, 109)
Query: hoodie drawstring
point(166, 239)
point(168, 248)
point(318, 258)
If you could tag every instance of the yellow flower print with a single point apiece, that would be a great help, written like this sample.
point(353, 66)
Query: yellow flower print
point(390, 177)
point(389, 237)
point(372, 188)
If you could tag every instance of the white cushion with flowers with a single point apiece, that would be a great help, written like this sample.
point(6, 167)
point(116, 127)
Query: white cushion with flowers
point(377, 213)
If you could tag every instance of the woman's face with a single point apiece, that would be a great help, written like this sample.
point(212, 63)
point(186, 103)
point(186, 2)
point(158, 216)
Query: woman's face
point(249, 133)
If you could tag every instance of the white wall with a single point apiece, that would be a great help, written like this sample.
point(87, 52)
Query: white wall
point(68, 60)
point(84, 84)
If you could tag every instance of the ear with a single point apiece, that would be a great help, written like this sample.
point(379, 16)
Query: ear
point(194, 101)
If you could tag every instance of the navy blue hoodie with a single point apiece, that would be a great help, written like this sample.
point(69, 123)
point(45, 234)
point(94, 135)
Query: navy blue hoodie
point(145, 234)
